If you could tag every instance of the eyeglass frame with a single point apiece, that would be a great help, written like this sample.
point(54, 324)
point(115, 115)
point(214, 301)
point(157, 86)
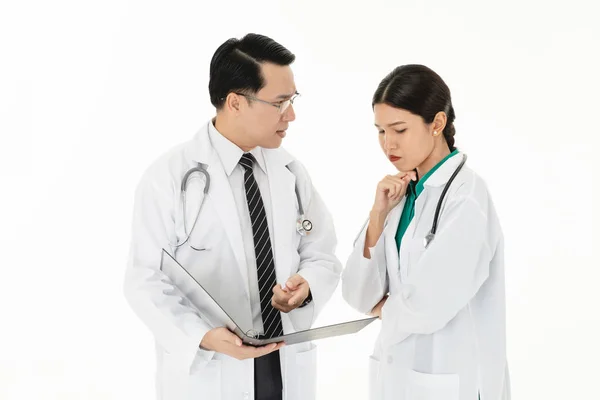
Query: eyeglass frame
point(278, 104)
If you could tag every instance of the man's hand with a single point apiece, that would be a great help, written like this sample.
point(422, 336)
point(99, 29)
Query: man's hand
point(292, 296)
point(222, 340)
point(376, 311)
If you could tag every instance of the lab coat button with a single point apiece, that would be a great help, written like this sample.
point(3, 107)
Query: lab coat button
point(246, 396)
point(390, 359)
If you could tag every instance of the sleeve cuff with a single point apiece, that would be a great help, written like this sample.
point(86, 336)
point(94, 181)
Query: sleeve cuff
point(307, 300)
point(302, 318)
point(194, 357)
point(376, 252)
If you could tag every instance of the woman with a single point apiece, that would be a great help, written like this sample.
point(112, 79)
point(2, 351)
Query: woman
point(442, 304)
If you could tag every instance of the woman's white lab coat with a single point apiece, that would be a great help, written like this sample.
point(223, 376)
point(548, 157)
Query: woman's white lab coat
point(443, 327)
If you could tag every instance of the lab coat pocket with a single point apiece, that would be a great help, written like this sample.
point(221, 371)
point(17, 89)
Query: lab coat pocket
point(374, 379)
point(306, 374)
point(205, 382)
point(197, 382)
point(421, 386)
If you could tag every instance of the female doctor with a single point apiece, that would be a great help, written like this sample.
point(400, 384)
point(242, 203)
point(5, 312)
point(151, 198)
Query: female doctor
point(436, 282)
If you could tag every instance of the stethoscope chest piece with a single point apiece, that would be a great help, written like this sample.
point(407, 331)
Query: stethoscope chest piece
point(427, 239)
point(303, 226)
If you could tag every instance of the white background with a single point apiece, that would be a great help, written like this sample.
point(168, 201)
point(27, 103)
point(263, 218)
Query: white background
point(92, 92)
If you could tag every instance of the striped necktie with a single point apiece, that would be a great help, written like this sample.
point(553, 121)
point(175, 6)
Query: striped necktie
point(265, 265)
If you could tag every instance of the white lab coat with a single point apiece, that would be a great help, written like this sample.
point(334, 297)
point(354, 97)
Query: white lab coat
point(443, 327)
point(184, 371)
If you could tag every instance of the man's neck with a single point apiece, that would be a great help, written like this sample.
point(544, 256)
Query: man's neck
point(225, 128)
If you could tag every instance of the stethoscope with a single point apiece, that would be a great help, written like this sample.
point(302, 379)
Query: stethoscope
point(431, 235)
point(303, 225)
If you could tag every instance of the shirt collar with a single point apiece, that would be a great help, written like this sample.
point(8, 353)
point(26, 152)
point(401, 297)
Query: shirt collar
point(229, 153)
point(418, 186)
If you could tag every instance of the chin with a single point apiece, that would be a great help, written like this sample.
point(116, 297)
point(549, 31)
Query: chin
point(272, 144)
point(403, 166)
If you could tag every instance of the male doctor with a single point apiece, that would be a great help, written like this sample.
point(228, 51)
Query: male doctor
point(245, 248)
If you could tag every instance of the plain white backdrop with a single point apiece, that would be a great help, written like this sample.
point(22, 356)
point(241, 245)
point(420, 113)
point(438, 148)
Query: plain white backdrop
point(92, 92)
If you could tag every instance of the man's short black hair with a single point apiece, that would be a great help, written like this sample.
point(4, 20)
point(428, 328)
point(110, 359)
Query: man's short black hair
point(235, 66)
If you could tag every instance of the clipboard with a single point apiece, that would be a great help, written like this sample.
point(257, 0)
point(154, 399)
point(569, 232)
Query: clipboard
point(216, 316)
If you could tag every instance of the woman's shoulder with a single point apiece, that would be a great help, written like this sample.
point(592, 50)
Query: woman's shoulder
point(469, 185)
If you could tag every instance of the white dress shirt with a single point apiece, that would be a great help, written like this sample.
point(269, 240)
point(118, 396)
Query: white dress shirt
point(230, 155)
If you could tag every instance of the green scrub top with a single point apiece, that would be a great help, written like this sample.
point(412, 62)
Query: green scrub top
point(412, 192)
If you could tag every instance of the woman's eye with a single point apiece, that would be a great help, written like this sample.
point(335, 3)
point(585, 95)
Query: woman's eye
point(397, 131)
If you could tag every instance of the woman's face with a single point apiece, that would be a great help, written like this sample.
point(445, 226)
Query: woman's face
point(404, 137)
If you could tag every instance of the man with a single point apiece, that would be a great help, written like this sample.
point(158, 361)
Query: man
point(243, 245)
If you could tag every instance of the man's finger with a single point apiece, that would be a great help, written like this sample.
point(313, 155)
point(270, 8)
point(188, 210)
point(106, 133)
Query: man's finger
point(279, 296)
point(257, 351)
point(276, 305)
point(279, 293)
point(294, 281)
point(272, 347)
point(261, 351)
point(230, 337)
point(295, 299)
point(277, 290)
point(280, 305)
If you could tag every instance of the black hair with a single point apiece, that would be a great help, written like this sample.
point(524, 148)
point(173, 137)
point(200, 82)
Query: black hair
point(418, 89)
point(236, 65)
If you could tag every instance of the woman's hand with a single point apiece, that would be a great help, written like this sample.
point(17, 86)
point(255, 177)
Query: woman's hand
point(376, 311)
point(390, 191)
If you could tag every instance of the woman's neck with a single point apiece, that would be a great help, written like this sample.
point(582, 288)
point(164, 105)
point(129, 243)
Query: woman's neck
point(437, 155)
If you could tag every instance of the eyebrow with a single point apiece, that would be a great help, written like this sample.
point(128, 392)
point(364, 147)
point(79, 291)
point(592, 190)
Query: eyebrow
point(392, 124)
point(286, 96)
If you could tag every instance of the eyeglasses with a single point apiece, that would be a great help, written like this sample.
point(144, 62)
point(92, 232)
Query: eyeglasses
point(281, 105)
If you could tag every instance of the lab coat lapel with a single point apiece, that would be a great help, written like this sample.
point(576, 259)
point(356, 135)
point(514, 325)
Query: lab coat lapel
point(282, 190)
point(434, 183)
point(223, 201)
point(419, 206)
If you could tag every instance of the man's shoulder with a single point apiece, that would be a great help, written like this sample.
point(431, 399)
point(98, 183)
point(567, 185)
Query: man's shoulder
point(166, 167)
point(284, 156)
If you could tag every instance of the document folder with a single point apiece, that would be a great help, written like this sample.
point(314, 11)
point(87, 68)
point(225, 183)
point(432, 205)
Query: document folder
point(216, 316)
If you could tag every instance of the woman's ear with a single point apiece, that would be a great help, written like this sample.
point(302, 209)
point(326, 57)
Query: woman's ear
point(439, 123)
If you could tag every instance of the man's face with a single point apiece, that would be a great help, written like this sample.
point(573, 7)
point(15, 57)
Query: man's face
point(264, 124)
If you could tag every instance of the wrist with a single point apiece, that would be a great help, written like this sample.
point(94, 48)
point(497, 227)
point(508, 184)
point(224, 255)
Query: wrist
point(206, 342)
point(307, 300)
point(374, 230)
point(205, 346)
point(377, 217)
